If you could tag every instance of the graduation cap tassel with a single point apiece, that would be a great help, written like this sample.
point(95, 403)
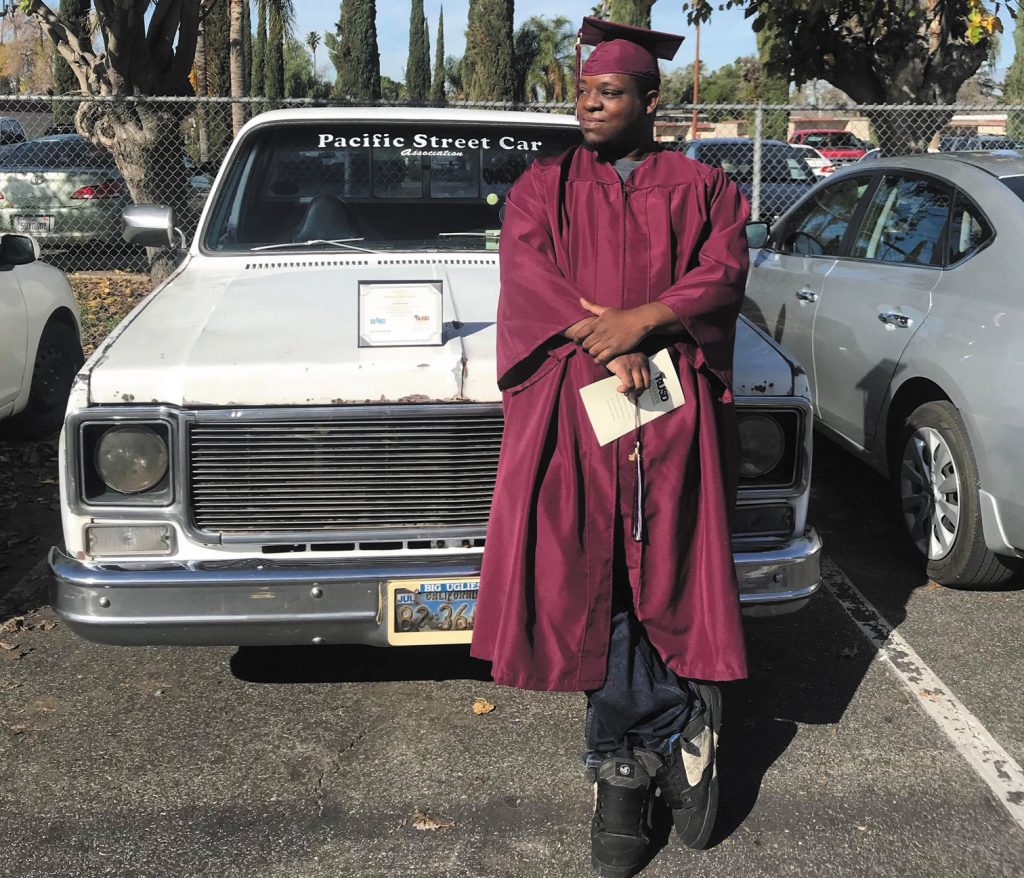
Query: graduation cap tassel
point(638, 484)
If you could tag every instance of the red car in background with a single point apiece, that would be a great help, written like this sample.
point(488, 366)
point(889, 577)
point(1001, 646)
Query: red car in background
point(835, 144)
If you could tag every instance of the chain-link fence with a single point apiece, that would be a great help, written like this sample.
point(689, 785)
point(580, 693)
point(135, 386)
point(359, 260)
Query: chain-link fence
point(68, 191)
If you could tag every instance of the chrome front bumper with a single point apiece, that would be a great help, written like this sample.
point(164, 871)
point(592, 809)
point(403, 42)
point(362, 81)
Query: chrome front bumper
point(262, 602)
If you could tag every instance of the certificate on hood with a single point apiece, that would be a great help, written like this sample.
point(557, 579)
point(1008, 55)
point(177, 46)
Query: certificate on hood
point(400, 313)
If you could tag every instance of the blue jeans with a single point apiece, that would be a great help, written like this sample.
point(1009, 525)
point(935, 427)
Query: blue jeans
point(642, 703)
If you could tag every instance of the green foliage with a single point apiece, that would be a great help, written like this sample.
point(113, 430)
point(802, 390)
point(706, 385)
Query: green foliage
point(75, 15)
point(353, 51)
point(487, 64)
point(545, 54)
point(454, 77)
point(1013, 87)
point(259, 50)
point(391, 89)
point(437, 93)
point(417, 68)
point(216, 38)
point(273, 70)
point(636, 12)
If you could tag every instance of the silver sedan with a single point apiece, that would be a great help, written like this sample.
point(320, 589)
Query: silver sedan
point(893, 282)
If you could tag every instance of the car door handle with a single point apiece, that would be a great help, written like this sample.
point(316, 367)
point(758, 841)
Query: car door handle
point(807, 295)
point(894, 319)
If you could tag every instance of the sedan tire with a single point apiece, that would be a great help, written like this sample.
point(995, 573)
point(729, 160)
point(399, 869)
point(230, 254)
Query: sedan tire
point(935, 477)
point(58, 359)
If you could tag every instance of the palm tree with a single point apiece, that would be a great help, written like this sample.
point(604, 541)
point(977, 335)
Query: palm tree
point(313, 40)
point(236, 63)
point(551, 72)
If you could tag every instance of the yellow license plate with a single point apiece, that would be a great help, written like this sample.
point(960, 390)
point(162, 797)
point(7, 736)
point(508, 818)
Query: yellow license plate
point(424, 612)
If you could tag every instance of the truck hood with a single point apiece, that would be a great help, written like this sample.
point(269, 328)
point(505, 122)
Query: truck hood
point(284, 332)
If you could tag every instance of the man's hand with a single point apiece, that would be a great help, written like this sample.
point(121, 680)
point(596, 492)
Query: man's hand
point(614, 331)
point(579, 330)
point(633, 371)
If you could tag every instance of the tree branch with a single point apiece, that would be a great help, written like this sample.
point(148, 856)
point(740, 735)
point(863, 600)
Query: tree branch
point(83, 62)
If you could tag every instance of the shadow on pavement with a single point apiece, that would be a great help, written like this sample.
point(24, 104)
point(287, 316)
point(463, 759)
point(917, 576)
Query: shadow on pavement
point(355, 664)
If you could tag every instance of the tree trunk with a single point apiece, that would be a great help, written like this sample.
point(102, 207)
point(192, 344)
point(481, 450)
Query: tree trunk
point(237, 66)
point(147, 142)
point(202, 91)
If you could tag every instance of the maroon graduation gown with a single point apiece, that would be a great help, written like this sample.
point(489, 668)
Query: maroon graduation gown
point(674, 232)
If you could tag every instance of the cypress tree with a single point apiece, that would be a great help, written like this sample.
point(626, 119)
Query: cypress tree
point(353, 51)
point(437, 87)
point(772, 52)
point(417, 68)
point(635, 12)
point(273, 72)
point(259, 49)
point(247, 58)
point(217, 37)
point(1013, 88)
point(489, 51)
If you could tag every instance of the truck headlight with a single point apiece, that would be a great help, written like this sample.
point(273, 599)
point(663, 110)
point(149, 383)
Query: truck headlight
point(131, 459)
point(762, 444)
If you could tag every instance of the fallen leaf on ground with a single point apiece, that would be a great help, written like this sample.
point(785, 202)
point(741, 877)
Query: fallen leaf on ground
point(932, 585)
point(423, 820)
point(8, 685)
point(47, 625)
point(481, 706)
point(8, 646)
point(15, 623)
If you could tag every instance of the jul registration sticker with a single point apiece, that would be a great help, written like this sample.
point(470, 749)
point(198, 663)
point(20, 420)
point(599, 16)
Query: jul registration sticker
point(431, 611)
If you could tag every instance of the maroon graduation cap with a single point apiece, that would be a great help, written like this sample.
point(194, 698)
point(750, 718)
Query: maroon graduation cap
point(623, 48)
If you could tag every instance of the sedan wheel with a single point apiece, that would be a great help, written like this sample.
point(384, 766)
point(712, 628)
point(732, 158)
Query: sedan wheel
point(930, 493)
point(936, 483)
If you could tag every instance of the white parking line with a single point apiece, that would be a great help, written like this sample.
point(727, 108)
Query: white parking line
point(983, 752)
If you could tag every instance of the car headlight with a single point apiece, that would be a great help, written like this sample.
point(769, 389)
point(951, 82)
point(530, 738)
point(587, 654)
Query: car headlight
point(762, 444)
point(131, 459)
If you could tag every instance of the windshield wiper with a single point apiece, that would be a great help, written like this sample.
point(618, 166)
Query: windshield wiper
point(345, 243)
point(490, 233)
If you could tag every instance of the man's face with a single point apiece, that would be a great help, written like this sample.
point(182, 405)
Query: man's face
point(613, 113)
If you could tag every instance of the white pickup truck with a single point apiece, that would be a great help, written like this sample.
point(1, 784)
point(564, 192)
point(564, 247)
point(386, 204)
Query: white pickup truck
point(294, 438)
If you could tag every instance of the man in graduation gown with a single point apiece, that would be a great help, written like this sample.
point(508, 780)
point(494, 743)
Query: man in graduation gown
point(608, 569)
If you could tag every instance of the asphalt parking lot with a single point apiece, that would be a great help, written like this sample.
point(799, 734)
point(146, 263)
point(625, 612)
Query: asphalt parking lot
point(354, 762)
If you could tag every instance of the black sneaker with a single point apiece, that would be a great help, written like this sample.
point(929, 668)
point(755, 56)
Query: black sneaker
point(688, 778)
point(620, 833)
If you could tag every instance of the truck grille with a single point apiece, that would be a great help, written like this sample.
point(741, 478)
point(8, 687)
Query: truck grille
point(399, 471)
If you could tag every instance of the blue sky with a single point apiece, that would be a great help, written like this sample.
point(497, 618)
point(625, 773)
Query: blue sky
point(726, 38)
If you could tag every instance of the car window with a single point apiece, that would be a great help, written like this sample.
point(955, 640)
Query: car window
point(968, 230)
point(780, 163)
point(833, 140)
point(406, 184)
point(818, 226)
point(905, 222)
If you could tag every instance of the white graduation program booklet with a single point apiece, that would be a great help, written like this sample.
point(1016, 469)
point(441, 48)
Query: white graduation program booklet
point(614, 414)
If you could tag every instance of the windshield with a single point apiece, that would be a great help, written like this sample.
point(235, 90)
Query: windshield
point(386, 186)
point(833, 140)
point(780, 163)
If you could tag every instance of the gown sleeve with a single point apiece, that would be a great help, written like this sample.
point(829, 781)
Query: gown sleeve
point(537, 302)
point(707, 297)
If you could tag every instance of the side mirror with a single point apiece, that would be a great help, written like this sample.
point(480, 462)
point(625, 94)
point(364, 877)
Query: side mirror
point(18, 249)
point(148, 225)
point(757, 235)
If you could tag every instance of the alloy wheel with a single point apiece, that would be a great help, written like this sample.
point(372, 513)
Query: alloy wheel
point(930, 493)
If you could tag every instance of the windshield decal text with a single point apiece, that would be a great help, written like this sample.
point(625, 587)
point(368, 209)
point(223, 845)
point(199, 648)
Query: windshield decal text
point(427, 144)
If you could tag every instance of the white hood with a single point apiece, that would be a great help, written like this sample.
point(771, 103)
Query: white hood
point(281, 330)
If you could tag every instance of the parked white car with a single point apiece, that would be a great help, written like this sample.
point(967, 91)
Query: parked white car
point(40, 340)
point(819, 165)
point(295, 438)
